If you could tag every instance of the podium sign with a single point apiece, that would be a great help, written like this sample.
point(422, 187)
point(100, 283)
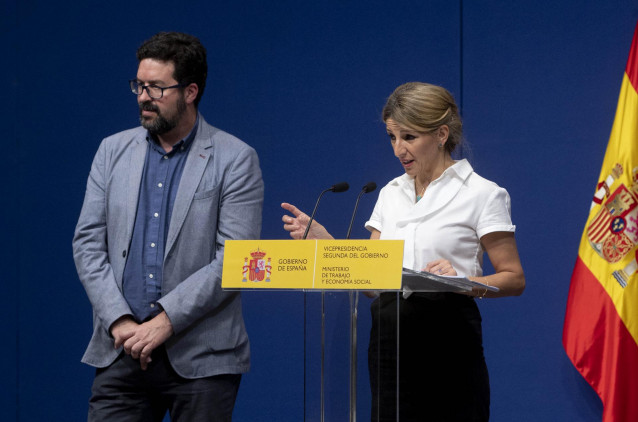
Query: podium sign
point(313, 264)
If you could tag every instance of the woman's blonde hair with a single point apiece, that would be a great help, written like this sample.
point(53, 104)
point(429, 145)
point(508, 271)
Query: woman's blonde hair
point(425, 107)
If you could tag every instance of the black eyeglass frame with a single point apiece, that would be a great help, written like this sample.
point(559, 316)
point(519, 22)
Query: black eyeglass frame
point(134, 83)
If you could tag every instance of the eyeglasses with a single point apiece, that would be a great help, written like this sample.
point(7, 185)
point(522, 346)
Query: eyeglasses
point(153, 91)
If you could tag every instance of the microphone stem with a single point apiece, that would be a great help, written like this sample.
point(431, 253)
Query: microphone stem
point(356, 205)
point(313, 214)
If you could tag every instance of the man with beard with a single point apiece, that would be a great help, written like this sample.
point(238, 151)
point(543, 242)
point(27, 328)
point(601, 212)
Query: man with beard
point(160, 201)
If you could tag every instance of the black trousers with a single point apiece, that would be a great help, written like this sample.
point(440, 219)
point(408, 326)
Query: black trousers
point(442, 376)
point(123, 392)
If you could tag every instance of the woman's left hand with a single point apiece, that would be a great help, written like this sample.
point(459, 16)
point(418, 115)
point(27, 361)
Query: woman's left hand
point(440, 267)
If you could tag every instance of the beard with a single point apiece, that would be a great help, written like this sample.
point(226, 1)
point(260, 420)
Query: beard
point(162, 123)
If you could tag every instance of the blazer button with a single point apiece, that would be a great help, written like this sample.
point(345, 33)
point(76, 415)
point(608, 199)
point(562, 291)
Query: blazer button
point(124, 253)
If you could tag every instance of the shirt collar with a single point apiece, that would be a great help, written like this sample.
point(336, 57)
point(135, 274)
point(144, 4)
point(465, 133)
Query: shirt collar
point(461, 168)
point(182, 145)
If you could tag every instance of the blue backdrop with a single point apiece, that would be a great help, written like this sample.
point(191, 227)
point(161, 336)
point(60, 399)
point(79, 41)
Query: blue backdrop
point(304, 83)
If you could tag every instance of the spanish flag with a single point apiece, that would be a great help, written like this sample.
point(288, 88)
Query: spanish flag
point(600, 334)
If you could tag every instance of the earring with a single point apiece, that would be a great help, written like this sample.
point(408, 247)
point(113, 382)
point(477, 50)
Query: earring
point(440, 146)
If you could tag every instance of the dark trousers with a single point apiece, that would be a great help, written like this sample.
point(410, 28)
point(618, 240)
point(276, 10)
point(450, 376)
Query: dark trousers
point(123, 392)
point(442, 376)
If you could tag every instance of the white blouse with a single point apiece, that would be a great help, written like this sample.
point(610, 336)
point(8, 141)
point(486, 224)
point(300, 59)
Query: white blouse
point(456, 210)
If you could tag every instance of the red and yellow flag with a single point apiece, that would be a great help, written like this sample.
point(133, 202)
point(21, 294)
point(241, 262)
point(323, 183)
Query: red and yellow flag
point(600, 334)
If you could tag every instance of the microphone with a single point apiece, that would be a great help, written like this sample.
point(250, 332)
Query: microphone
point(369, 187)
point(337, 187)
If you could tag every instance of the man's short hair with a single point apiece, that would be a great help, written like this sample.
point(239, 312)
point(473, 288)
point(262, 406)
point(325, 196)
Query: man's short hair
point(185, 51)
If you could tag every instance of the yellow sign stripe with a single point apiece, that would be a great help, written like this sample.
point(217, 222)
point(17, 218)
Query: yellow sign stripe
point(313, 264)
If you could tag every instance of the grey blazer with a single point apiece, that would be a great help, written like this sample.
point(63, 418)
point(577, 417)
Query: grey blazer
point(220, 196)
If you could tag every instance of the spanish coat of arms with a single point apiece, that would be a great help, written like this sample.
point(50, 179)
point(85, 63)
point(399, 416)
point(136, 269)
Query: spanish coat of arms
point(613, 232)
point(257, 269)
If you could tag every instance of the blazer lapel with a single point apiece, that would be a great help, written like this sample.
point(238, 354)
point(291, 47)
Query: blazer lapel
point(136, 167)
point(194, 168)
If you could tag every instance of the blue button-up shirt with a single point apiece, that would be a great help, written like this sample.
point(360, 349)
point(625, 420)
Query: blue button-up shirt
point(143, 273)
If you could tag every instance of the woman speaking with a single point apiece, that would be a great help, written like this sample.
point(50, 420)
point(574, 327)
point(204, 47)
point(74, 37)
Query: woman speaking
point(448, 216)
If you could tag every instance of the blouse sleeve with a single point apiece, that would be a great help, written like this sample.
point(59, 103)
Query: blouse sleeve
point(496, 214)
point(376, 219)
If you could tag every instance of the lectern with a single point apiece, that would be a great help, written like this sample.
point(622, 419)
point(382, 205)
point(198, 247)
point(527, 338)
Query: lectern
point(332, 276)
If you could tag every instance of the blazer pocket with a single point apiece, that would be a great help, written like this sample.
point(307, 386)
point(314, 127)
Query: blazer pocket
point(206, 194)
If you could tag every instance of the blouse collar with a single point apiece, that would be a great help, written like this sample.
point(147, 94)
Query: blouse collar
point(439, 191)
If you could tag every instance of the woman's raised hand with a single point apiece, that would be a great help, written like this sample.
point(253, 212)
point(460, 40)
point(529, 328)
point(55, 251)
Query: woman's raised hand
point(296, 224)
